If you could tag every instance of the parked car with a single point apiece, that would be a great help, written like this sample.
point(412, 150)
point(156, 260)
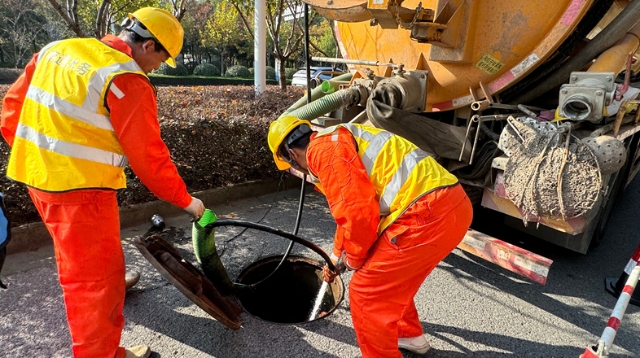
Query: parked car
point(317, 75)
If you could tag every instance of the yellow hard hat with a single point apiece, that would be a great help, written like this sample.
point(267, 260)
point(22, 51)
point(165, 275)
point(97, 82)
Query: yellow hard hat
point(164, 27)
point(278, 131)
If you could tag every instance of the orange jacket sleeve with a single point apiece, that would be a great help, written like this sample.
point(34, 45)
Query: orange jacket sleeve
point(134, 116)
point(351, 196)
point(13, 100)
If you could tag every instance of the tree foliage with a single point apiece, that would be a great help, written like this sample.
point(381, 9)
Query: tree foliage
point(216, 31)
point(221, 30)
point(285, 26)
point(96, 18)
point(22, 31)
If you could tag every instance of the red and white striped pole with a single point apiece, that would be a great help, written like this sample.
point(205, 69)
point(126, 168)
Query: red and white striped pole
point(601, 350)
point(615, 287)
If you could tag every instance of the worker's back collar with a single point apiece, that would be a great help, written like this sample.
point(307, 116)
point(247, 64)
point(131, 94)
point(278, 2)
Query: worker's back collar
point(118, 44)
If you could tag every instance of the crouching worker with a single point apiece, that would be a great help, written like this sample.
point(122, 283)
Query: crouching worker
point(398, 214)
point(82, 110)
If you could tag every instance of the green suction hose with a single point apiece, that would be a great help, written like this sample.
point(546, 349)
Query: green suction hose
point(318, 92)
point(326, 104)
point(328, 87)
point(204, 247)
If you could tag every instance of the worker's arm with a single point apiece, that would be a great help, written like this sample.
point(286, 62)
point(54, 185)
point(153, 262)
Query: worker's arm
point(13, 100)
point(134, 116)
point(350, 194)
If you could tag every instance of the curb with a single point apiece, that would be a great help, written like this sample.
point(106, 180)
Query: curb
point(30, 237)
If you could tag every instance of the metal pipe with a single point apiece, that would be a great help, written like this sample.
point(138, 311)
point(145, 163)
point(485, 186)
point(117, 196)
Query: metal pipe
point(306, 51)
point(578, 107)
point(604, 40)
point(353, 62)
point(482, 105)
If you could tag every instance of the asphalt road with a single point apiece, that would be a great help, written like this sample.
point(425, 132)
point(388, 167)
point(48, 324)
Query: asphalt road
point(468, 307)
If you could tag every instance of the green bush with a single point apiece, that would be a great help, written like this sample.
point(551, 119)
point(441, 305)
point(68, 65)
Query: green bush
point(289, 72)
point(238, 71)
point(191, 66)
point(206, 69)
point(180, 70)
point(271, 73)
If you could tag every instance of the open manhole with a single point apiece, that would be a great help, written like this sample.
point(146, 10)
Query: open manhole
point(288, 297)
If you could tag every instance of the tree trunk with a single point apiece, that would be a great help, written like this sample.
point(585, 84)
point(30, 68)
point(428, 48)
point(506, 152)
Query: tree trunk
point(282, 80)
point(221, 64)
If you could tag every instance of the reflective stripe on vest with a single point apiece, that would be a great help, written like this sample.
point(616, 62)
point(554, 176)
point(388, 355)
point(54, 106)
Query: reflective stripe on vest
point(64, 125)
point(397, 187)
point(69, 109)
point(70, 149)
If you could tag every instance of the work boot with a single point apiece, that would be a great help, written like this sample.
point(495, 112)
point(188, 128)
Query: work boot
point(141, 351)
point(131, 278)
point(418, 344)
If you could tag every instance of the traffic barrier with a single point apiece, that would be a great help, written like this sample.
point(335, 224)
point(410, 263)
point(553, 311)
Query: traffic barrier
point(615, 287)
point(601, 349)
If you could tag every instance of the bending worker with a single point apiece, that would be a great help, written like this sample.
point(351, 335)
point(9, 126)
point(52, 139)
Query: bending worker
point(81, 110)
point(398, 214)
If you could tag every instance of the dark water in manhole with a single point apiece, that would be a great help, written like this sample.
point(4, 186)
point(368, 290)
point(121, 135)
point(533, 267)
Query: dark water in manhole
point(287, 296)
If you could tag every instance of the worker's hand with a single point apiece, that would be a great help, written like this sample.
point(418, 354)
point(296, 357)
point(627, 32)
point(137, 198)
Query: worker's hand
point(195, 208)
point(329, 275)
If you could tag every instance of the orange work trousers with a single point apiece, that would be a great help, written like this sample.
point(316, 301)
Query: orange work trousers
point(85, 227)
point(382, 291)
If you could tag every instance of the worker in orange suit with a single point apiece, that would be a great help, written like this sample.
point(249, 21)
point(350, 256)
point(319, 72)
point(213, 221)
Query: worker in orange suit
point(82, 110)
point(398, 214)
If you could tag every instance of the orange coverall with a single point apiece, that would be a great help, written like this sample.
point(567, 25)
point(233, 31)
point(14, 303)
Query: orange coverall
point(85, 224)
point(392, 266)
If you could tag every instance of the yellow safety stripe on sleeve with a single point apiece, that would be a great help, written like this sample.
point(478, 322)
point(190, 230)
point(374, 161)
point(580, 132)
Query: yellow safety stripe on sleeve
point(94, 99)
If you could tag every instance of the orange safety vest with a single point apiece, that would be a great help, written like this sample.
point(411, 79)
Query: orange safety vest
point(64, 139)
point(400, 172)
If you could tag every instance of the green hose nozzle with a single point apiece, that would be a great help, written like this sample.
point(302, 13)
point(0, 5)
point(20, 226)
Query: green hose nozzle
point(204, 247)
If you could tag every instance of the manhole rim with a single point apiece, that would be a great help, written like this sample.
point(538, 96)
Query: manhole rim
point(291, 258)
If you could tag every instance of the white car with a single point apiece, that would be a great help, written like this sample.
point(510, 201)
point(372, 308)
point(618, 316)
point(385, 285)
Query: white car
point(317, 75)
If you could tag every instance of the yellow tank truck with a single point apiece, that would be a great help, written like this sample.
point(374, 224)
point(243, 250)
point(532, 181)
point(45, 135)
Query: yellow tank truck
point(532, 104)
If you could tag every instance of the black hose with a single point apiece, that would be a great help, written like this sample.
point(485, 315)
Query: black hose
point(281, 233)
point(304, 176)
point(488, 132)
point(291, 237)
point(295, 231)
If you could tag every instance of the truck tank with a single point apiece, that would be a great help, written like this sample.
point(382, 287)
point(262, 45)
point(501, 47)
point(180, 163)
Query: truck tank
point(536, 101)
